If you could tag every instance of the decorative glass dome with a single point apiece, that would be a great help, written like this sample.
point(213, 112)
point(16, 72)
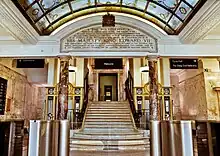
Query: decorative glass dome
point(47, 15)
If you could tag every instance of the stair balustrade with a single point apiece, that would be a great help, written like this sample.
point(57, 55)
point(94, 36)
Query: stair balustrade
point(141, 116)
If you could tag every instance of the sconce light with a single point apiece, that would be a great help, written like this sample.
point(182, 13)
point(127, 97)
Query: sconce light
point(144, 69)
point(72, 69)
point(207, 70)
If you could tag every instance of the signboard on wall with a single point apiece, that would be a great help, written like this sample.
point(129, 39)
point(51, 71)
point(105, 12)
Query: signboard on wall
point(183, 63)
point(30, 63)
point(3, 90)
point(114, 63)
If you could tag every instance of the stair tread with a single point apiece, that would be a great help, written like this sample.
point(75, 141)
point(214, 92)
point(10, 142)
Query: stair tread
point(109, 123)
point(109, 138)
point(109, 126)
point(111, 117)
point(104, 143)
point(93, 114)
point(107, 109)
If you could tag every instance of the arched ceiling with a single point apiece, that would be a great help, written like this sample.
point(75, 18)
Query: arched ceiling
point(47, 15)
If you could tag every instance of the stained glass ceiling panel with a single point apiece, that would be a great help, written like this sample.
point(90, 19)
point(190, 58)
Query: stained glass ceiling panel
point(47, 15)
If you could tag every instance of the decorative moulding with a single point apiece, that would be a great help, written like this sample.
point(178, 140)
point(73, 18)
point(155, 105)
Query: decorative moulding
point(206, 19)
point(12, 20)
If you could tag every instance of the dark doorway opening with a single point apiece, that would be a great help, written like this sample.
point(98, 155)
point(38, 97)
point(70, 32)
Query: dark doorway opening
point(108, 87)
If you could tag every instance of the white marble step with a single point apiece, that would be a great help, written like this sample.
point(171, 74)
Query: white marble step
point(107, 120)
point(100, 124)
point(113, 103)
point(107, 143)
point(114, 106)
point(104, 134)
point(108, 111)
point(109, 108)
point(109, 123)
point(108, 148)
point(110, 131)
point(109, 102)
point(105, 137)
point(107, 115)
point(108, 126)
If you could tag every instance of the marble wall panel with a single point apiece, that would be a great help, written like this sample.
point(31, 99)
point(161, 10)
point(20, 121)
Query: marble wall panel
point(26, 99)
point(192, 97)
point(212, 80)
point(175, 97)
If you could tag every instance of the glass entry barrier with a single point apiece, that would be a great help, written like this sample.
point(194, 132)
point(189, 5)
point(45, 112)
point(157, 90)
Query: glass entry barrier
point(185, 138)
point(172, 138)
point(49, 138)
point(208, 138)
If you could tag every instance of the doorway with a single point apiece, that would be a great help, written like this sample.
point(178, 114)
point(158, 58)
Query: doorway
point(108, 87)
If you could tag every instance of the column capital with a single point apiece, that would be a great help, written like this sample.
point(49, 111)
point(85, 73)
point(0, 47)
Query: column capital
point(153, 58)
point(64, 57)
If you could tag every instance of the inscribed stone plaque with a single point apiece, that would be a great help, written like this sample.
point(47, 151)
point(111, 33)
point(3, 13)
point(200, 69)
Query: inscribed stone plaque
point(118, 38)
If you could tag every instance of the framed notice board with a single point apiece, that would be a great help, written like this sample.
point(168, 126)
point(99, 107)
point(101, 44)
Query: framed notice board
point(3, 91)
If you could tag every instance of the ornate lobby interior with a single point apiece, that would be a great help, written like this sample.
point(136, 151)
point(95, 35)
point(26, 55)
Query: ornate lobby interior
point(109, 77)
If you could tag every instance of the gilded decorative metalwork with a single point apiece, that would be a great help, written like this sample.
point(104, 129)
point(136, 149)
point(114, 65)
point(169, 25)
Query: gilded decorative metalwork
point(166, 90)
point(71, 89)
point(147, 88)
point(47, 15)
point(51, 90)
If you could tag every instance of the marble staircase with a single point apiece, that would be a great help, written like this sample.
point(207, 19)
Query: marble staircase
point(108, 126)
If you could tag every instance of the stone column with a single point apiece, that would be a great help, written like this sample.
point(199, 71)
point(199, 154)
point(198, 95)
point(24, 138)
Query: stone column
point(63, 88)
point(153, 80)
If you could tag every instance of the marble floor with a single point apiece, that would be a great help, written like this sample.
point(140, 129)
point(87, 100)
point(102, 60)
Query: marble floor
point(110, 153)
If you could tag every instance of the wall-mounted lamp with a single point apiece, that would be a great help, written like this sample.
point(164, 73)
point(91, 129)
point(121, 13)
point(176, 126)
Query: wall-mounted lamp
point(72, 69)
point(144, 69)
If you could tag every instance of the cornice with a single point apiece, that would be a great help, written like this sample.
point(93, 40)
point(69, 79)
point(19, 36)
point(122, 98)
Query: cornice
point(207, 18)
point(12, 20)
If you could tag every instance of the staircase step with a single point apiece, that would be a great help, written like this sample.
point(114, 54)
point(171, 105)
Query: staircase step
point(110, 131)
point(109, 102)
point(107, 138)
point(107, 120)
point(109, 126)
point(108, 112)
point(108, 134)
point(107, 106)
point(107, 143)
point(106, 115)
point(109, 148)
point(106, 103)
point(108, 109)
point(109, 123)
